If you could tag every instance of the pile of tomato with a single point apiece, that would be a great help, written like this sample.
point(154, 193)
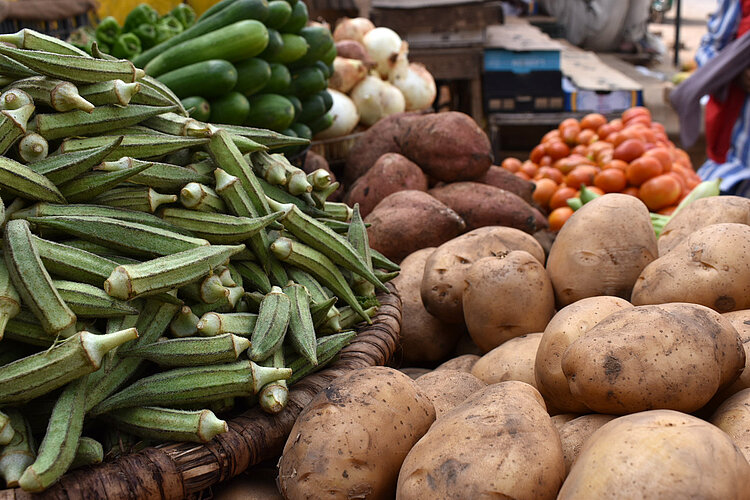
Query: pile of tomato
point(630, 154)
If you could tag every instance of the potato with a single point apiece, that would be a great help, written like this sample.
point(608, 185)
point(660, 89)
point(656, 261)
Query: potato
point(506, 180)
point(483, 205)
point(602, 249)
point(711, 266)
point(414, 373)
point(448, 388)
point(511, 360)
point(255, 484)
point(424, 338)
point(672, 356)
point(352, 438)
point(733, 417)
point(400, 220)
point(499, 443)
point(562, 418)
point(445, 270)
point(462, 363)
point(701, 213)
point(314, 161)
point(506, 297)
point(741, 322)
point(448, 146)
point(392, 172)
point(566, 326)
point(574, 434)
point(466, 345)
point(658, 454)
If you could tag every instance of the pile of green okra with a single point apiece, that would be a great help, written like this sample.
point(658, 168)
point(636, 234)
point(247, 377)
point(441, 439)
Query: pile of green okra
point(156, 270)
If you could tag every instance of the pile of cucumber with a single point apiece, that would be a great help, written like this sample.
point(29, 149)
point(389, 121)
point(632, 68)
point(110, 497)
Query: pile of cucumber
point(250, 62)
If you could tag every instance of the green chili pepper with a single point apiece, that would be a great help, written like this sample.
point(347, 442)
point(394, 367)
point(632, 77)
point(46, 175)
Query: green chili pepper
point(142, 14)
point(146, 33)
point(185, 14)
point(126, 46)
point(108, 31)
point(166, 28)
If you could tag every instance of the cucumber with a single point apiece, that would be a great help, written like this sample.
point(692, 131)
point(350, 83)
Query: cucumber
point(289, 132)
point(280, 80)
point(327, 99)
point(302, 130)
point(226, 13)
point(297, 20)
point(307, 81)
point(324, 68)
point(296, 103)
point(320, 41)
point(252, 75)
point(201, 110)
point(270, 111)
point(313, 107)
point(212, 78)
point(238, 41)
point(329, 56)
point(230, 109)
point(279, 12)
point(293, 48)
point(322, 123)
point(275, 44)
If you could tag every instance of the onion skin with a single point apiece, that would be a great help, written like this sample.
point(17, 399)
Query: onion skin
point(352, 29)
point(346, 74)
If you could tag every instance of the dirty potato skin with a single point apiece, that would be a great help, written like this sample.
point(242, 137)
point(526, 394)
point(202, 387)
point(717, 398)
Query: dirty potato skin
point(463, 363)
point(658, 454)
point(733, 417)
point(351, 439)
point(505, 298)
point(671, 356)
point(711, 266)
point(574, 434)
point(445, 270)
point(568, 324)
point(448, 388)
point(511, 360)
point(602, 249)
point(499, 443)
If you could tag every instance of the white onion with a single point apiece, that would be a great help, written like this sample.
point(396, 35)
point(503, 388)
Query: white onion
point(376, 99)
point(346, 74)
point(352, 28)
point(383, 45)
point(345, 116)
point(415, 82)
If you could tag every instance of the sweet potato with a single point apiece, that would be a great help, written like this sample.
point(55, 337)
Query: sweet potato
point(405, 221)
point(392, 172)
point(483, 205)
point(448, 146)
point(505, 179)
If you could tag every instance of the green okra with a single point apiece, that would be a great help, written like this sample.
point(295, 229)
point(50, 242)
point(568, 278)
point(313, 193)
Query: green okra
point(274, 396)
point(90, 301)
point(253, 277)
point(338, 226)
point(184, 323)
point(180, 158)
point(138, 198)
point(218, 228)
point(25, 328)
point(152, 90)
point(320, 311)
point(326, 350)
point(202, 198)
point(11, 68)
point(24, 182)
point(13, 125)
point(282, 196)
point(213, 323)
point(338, 211)
point(160, 176)
point(385, 276)
point(192, 351)
point(271, 325)
point(74, 263)
point(209, 290)
point(10, 301)
point(320, 197)
point(33, 40)
point(111, 92)
point(40, 373)
point(74, 68)
point(266, 137)
point(269, 167)
point(349, 318)
point(201, 384)
point(226, 304)
point(58, 448)
point(142, 146)
point(319, 179)
point(6, 429)
point(33, 147)
point(175, 124)
point(301, 328)
point(32, 281)
point(134, 130)
point(252, 300)
point(20, 452)
point(381, 261)
point(14, 99)
point(60, 95)
point(131, 238)
point(203, 167)
point(166, 424)
point(88, 452)
point(222, 405)
point(168, 272)
point(63, 167)
point(246, 145)
point(100, 119)
point(316, 263)
point(226, 276)
point(90, 185)
point(357, 236)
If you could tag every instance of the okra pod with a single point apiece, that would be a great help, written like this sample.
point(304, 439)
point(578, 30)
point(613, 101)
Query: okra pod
point(15, 99)
point(226, 276)
point(88, 452)
point(6, 429)
point(11, 68)
point(40, 373)
point(273, 397)
point(192, 351)
point(58, 448)
point(320, 196)
point(138, 198)
point(111, 92)
point(282, 196)
point(269, 167)
point(319, 179)
point(253, 277)
point(226, 304)
point(271, 325)
point(218, 228)
point(10, 301)
point(326, 349)
point(23, 181)
point(301, 327)
point(320, 311)
point(181, 386)
point(142, 146)
point(165, 424)
point(13, 125)
point(25, 328)
point(63, 167)
point(60, 95)
point(20, 452)
point(89, 186)
point(164, 273)
point(175, 124)
point(90, 301)
point(381, 261)
point(208, 290)
point(33, 40)
point(160, 176)
point(213, 323)
point(200, 197)
point(357, 236)
point(338, 211)
point(348, 319)
point(152, 89)
point(73, 263)
point(33, 147)
point(184, 324)
point(203, 167)
point(266, 137)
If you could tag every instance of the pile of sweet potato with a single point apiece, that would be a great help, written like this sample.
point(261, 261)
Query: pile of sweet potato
point(423, 179)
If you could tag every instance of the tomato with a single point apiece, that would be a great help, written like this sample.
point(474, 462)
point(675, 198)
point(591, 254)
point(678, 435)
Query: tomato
point(593, 121)
point(629, 114)
point(663, 155)
point(582, 174)
point(580, 150)
point(544, 190)
point(568, 122)
point(552, 135)
point(658, 127)
point(561, 195)
point(605, 131)
point(537, 153)
point(529, 168)
point(629, 150)
point(570, 133)
point(668, 210)
point(618, 164)
point(557, 149)
point(631, 190)
point(550, 173)
point(682, 158)
point(558, 217)
point(611, 180)
point(545, 160)
point(522, 175)
point(660, 191)
point(511, 164)
point(586, 136)
point(642, 169)
point(617, 124)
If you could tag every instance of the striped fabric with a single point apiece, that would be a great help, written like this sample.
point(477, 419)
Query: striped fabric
point(735, 173)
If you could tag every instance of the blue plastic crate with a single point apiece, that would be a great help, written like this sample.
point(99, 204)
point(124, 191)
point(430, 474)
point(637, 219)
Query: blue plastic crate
point(521, 62)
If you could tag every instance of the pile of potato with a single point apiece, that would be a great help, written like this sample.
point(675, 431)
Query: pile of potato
point(612, 366)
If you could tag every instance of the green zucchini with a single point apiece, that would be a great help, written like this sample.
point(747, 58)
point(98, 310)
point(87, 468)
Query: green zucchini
point(238, 41)
point(329, 56)
point(230, 109)
point(307, 81)
point(292, 49)
point(201, 110)
point(227, 12)
point(252, 75)
point(211, 78)
point(296, 103)
point(302, 130)
point(297, 20)
point(327, 99)
point(279, 12)
point(319, 40)
point(270, 111)
point(313, 107)
point(324, 68)
point(322, 123)
point(280, 80)
point(275, 44)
